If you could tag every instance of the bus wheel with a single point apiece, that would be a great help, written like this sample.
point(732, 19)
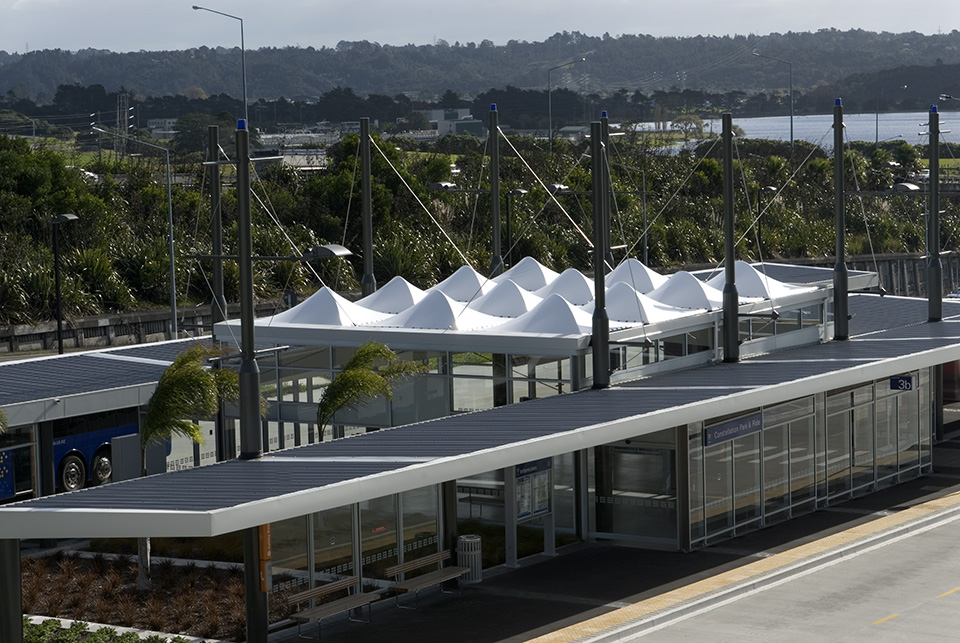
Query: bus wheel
point(73, 475)
point(102, 468)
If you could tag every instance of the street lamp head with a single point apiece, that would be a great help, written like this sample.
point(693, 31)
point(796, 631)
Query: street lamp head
point(557, 188)
point(442, 186)
point(328, 251)
point(517, 191)
point(62, 218)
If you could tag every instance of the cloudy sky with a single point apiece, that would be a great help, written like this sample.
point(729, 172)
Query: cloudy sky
point(131, 25)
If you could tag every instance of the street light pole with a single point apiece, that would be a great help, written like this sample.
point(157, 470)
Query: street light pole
point(790, 66)
point(57, 220)
point(550, 100)
point(243, 63)
point(174, 332)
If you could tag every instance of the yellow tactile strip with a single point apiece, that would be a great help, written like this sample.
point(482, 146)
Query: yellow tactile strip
point(750, 571)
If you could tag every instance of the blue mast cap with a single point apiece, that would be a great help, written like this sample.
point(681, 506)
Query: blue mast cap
point(838, 102)
point(242, 124)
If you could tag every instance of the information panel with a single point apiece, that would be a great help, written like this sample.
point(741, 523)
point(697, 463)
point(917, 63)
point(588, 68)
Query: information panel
point(732, 429)
point(534, 481)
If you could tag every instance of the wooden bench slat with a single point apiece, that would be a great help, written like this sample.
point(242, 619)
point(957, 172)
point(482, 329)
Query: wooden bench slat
point(426, 580)
point(334, 607)
point(410, 565)
point(322, 590)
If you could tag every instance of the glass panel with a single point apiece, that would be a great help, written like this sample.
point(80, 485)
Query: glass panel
point(332, 542)
point(789, 320)
point(342, 355)
point(642, 497)
point(423, 397)
point(433, 361)
point(288, 546)
point(788, 411)
point(700, 340)
point(926, 421)
point(838, 453)
point(697, 524)
point(375, 413)
point(674, 346)
point(306, 358)
point(811, 315)
point(802, 451)
point(760, 327)
point(718, 487)
point(474, 364)
point(472, 394)
point(746, 471)
point(840, 401)
point(886, 446)
point(908, 415)
point(564, 491)
point(776, 457)
point(863, 446)
point(378, 536)
point(420, 526)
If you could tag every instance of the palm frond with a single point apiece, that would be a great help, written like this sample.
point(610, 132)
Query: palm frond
point(371, 372)
point(187, 389)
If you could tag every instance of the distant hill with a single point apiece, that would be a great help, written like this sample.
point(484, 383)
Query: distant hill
point(631, 62)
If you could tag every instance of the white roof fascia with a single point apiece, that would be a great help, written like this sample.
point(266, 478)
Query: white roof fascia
point(37, 523)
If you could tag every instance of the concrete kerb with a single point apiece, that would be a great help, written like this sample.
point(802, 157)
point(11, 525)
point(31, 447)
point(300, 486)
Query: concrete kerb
point(659, 611)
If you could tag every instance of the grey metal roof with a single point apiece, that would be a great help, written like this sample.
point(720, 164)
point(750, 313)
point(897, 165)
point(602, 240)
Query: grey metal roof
point(77, 373)
point(234, 495)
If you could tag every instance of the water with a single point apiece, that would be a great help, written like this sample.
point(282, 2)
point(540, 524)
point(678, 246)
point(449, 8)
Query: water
point(818, 128)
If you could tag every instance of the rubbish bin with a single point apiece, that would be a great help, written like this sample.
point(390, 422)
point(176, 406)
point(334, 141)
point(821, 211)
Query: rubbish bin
point(470, 555)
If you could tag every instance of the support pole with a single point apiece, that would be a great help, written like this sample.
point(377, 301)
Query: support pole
point(251, 445)
point(510, 516)
point(368, 283)
point(607, 189)
point(11, 599)
point(731, 297)
point(601, 323)
point(218, 308)
point(496, 260)
point(934, 265)
point(840, 276)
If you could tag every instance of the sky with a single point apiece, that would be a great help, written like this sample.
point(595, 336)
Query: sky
point(134, 25)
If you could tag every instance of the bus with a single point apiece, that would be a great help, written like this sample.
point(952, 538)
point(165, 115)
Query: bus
point(82, 447)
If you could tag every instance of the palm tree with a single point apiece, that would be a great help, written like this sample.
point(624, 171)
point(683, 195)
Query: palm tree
point(372, 371)
point(187, 389)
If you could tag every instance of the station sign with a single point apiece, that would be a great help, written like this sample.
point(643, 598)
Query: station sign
point(902, 383)
point(534, 482)
point(732, 429)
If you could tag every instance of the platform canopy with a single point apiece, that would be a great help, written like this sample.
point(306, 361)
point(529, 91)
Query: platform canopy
point(890, 337)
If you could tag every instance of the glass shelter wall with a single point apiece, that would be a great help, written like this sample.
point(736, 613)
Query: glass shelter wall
point(776, 462)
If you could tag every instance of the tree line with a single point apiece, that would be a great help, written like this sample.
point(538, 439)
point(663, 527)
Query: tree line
point(115, 256)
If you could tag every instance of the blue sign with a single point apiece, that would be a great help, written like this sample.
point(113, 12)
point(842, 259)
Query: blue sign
point(7, 488)
point(901, 383)
point(534, 485)
point(732, 429)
